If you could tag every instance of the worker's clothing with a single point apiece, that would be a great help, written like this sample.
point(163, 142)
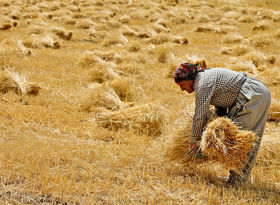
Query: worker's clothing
point(218, 87)
point(243, 99)
point(250, 112)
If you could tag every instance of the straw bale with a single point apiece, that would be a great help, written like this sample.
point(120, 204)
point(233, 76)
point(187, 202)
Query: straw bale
point(262, 41)
point(102, 72)
point(13, 81)
point(115, 39)
point(261, 26)
point(181, 40)
point(200, 60)
point(32, 89)
point(277, 34)
point(162, 53)
point(228, 29)
point(61, 33)
point(203, 18)
point(128, 31)
point(102, 97)
point(177, 143)
point(89, 59)
point(171, 69)
point(269, 152)
point(158, 28)
point(232, 15)
point(179, 20)
point(35, 41)
point(246, 19)
point(233, 38)
point(7, 83)
point(274, 110)
point(35, 29)
point(226, 21)
point(123, 88)
point(147, 119)
point(134, 46)
point(236, 50)
point(256, 57)
point(68, 20)
point(125, 19)
point(85, 24)
point(113, 24)
point(276, 16)
point(208, 29)
point(269, 79)
point(246, 66)
point(264, 14)
point(23, 49)
point(222, 141)
point(161, 38)
point(5, 26)
point(130, 67)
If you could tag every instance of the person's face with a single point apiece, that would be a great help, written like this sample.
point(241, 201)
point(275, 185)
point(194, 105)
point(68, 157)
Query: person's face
point(186, 85)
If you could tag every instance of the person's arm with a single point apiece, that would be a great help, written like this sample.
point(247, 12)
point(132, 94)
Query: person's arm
point(202, 104)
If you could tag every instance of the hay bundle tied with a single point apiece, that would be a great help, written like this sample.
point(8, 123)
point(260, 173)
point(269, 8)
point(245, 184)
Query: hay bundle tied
point(144, 119)
point(222, 141)
point(178, 143)
point(102, 97)
point(12, 81)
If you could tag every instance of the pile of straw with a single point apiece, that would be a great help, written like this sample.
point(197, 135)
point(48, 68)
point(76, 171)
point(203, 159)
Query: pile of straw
point(178, 143)
point(223, 142)
point(12, 81)
point(143, 119)
point(102, 97)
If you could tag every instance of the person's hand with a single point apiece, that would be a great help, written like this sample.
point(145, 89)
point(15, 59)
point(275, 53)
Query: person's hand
point(194, 150)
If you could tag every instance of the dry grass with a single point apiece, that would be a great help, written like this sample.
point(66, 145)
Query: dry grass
point(144, 119)
point(236, 50)
point(93, 133)
point(222, 141)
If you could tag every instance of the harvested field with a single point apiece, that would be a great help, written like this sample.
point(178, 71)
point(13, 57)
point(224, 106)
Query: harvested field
point(90, 113)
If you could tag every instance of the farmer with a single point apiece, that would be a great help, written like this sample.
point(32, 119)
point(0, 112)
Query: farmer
point(245, 100)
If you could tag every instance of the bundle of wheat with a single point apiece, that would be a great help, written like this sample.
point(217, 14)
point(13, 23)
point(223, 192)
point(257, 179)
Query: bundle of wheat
point(7, 83)
point(178, 143)
point(5, 26)
point(274, 110)
point(115, 39)
point(123, 88)
point(62, 33)
point(237, 50)
point(262, 41)
point(12, 81)
point(262, 26)
point(222, 141)
point(101, 97)
point(102, 72)
point(35, 41)
point(144, 119)
point(233, 38)
point(247, 66)
point(246, 19)
point(196, 60)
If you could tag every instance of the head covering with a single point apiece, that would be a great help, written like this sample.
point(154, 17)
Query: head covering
point(186, 71)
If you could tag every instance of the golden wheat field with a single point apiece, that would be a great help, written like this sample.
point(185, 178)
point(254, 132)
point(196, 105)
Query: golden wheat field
point(88, 104)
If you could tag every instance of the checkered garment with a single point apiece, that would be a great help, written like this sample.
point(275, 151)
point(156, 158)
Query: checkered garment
point(218, 87)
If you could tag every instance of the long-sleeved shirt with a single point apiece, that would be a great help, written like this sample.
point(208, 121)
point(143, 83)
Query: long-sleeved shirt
point(218, 87)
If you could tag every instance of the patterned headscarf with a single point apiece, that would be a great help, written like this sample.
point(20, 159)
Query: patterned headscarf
point(186, 71)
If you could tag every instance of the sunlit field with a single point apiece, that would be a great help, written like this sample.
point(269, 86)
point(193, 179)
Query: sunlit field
point(88, 104)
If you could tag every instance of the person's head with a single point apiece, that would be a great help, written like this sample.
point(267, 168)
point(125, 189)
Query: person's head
point(185, 75)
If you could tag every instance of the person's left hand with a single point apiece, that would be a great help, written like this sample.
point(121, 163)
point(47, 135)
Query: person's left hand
point(194, 150)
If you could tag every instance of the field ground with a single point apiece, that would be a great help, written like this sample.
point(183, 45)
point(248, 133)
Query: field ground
point(87, 99)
